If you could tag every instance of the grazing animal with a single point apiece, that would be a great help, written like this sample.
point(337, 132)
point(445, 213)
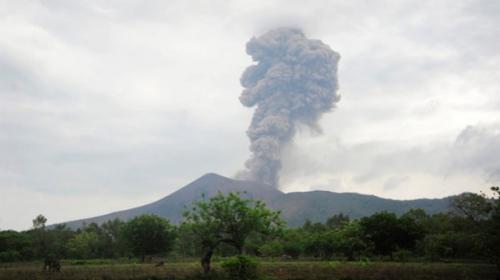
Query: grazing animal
point(52, 265)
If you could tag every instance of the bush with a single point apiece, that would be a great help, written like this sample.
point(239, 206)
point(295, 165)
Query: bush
point(451, 245)
point(10, 256)
point(241, 267)
point(292, 249)
point(272, 249)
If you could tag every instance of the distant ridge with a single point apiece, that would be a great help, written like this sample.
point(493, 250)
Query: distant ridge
point(296, 207)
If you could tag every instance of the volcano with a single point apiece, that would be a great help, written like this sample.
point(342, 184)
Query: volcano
point(295, 207)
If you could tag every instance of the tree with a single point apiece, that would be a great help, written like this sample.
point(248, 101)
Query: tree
point(59, 237)
point(411, 231)
point(15, 246)
point(382, 229)
point(493, 229)
point(323, 244)
point(271, 249)
point(149, 234)
point(39, 222)
point(484, 212)
point(388, 233)
point(188, 244)
point(84, 245)
point(293, 242)
point(475, 207)
point(311, 227)
point(113, 238)
point(352, 244)
point(42, 239)
point(337, 221)
point(230, 219)
point(418, 215)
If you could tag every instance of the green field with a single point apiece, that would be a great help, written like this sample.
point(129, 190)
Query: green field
point(268, 270)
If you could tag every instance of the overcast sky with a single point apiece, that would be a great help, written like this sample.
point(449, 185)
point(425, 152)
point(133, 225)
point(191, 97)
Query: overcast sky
point(106, 105)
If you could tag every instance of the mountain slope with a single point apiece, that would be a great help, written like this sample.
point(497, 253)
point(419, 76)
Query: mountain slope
point(296, 207)
point(317, 206)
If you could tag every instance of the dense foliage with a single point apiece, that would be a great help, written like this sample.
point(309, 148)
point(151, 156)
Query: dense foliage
point(230, 225)
point(231, 220)
point(241, 267)
point(148, 235)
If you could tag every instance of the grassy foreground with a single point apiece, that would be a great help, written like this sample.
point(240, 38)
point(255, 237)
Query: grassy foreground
point(269, 271)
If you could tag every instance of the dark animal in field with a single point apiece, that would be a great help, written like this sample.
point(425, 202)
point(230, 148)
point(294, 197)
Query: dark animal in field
point(52, 265)
point(160, 263)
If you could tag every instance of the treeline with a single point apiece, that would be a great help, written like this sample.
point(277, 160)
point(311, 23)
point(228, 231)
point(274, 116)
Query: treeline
point(471, 231)
point(147, 234)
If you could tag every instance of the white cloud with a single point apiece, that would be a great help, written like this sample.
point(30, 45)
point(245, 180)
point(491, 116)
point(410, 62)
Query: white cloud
point(398, 169)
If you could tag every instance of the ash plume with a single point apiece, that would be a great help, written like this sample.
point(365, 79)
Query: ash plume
point(293, 82)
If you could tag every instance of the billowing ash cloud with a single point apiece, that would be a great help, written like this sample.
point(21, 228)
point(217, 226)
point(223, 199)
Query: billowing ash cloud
point(293, 83)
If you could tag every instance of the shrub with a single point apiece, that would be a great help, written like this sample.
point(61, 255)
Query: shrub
point(240, 267)
point(272, 249)
point(292, 249)
point(10, 256)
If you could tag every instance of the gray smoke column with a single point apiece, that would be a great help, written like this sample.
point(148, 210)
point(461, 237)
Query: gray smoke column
point(293, 82)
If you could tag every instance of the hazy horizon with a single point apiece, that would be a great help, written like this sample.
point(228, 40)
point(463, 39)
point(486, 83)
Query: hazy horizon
point(107, 105)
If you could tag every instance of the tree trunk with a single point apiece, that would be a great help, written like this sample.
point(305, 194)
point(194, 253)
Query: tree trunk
point(205, 260)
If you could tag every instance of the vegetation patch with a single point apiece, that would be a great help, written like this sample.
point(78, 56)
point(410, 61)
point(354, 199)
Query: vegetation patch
point(462, 244)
